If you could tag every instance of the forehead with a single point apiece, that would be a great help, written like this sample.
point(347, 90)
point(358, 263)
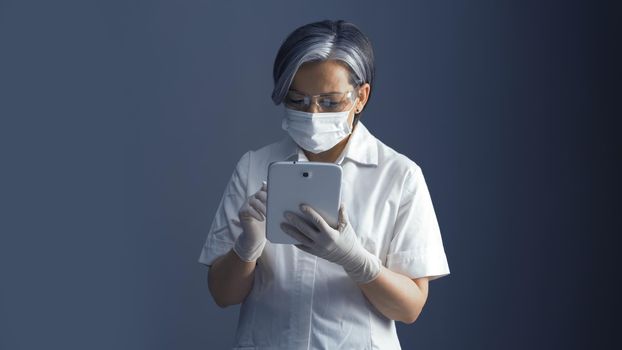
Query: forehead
point(321, 77)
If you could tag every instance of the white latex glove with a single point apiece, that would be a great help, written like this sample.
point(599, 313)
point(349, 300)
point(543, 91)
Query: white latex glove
point(339, 245)
point(252, 219)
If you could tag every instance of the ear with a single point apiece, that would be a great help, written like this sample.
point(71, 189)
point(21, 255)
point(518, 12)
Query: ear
point(364, 91)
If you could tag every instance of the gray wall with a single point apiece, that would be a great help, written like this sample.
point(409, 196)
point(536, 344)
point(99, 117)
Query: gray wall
point(121, 123)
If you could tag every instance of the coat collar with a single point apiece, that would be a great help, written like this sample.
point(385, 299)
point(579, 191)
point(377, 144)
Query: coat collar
point(361, 148)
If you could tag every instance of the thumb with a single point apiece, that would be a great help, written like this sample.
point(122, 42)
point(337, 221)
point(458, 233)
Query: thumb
point(237, 223)
point(343, 217)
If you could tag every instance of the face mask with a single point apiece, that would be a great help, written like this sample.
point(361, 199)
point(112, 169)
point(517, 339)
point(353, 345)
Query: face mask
point(316, 132)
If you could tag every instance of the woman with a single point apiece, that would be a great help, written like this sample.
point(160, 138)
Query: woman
point(345, 286)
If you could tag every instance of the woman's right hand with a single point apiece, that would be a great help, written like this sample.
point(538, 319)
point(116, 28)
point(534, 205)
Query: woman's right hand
point(252, 219)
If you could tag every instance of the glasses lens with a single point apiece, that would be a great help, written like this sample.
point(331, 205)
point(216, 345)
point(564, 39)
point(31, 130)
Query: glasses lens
point(326, 102)
point(296, 101)
point(332, 102)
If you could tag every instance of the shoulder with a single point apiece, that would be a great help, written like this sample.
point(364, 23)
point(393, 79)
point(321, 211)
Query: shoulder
point(265, 152)
point(275, 150)
point(253, 164)
point(398, 164)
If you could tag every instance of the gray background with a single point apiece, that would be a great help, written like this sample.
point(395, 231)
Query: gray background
point(121, 122)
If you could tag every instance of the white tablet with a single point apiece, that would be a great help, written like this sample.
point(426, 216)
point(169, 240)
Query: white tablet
point(291, 183)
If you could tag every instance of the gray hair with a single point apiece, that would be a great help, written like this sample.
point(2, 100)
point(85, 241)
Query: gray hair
point(319, 41)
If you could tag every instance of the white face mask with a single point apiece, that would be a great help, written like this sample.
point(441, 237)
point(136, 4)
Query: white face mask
point(316, 132)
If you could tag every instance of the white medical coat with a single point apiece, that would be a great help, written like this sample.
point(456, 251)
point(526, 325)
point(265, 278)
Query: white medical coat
point(299, 301)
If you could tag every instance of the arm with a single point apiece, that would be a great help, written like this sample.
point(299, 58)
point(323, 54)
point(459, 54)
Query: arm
point(230, 279)
point(397, 296)
point(394, 295)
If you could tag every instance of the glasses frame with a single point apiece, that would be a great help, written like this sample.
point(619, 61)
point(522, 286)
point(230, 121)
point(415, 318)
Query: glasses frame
point(308, 99)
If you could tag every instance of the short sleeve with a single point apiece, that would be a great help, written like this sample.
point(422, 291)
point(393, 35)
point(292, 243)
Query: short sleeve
point(223, 232)
point(416, 248)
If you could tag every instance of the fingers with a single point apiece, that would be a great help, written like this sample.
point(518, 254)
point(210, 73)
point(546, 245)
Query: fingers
point(262, 191)
point(258, 205)
point(304, 248)
point(316, 218)
point(261, 195)
point(301, 225)
point(255, 206)
point(236, 223)
point(248, 211)
point(295, 234)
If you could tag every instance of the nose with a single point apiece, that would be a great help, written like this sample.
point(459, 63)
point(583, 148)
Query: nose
point(314, 108)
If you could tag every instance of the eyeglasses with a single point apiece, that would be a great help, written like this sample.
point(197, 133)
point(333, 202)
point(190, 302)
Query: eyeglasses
point(330, 102)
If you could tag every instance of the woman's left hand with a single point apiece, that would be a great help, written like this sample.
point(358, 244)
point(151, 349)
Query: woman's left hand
point(339, 245)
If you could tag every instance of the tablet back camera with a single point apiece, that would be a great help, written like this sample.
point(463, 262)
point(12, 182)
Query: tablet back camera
point(305, 174)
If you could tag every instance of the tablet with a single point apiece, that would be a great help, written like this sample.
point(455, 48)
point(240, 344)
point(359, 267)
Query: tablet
point(291, 183)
